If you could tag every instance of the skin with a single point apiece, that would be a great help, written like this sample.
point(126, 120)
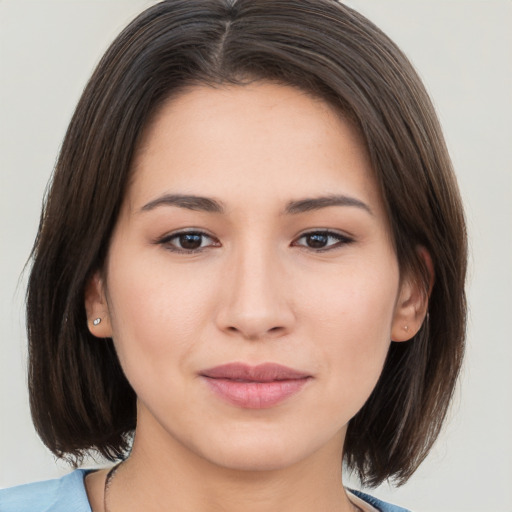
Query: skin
point(257, 291)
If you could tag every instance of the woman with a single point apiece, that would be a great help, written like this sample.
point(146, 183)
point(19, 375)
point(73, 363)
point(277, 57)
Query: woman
point(250, 267)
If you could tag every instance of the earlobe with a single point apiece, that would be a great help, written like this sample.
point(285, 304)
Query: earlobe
point(412, 305)
point(96, 307)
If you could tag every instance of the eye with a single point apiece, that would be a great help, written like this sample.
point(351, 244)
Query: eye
point(187, 241)
point(321, 241)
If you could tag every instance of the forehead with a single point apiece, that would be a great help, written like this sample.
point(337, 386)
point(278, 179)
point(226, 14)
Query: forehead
point(253, 141)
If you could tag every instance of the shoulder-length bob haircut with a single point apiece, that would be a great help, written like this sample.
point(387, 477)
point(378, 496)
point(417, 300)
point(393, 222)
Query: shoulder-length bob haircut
point(79, 396)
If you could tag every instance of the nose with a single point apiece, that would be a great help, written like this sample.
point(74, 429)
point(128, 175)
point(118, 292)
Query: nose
point(255, 302)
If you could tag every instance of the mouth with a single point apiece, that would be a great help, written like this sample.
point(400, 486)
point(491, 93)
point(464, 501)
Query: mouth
point(254, 387)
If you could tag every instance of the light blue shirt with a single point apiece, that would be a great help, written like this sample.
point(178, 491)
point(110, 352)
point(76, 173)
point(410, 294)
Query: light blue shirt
point(67, 494)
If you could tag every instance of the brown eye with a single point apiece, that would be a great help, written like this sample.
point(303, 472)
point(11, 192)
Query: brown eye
point(323, 240)
point(187, 242)
point(190, 241)
point(317, 240)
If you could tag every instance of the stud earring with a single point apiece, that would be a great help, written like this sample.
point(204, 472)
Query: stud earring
point(406, 328)
point(96, 321)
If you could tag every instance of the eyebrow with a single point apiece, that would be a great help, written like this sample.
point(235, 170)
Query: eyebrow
point(203, 204)
point(316, 203)
point(206, 204)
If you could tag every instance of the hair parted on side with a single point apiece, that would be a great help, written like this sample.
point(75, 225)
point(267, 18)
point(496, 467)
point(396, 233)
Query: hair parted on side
point(79, 397)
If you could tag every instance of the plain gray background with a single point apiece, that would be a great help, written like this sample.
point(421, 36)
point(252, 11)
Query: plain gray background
point(463, 51)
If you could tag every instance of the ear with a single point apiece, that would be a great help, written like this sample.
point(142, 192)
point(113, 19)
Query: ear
point(412, 305)
point(96, 307)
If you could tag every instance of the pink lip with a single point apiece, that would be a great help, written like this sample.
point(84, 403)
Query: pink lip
point(254, 387)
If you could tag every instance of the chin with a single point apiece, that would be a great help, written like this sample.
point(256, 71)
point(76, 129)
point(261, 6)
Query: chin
point(271, 452)
point(255, 459)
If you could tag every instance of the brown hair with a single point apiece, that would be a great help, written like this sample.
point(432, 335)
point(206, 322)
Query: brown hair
point(79, 396)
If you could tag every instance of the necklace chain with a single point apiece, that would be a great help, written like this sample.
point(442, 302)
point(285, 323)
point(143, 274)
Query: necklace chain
point(108, 482)
point(112, 472)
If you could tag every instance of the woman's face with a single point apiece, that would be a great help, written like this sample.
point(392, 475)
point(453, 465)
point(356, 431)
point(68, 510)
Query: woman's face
point(252, 233)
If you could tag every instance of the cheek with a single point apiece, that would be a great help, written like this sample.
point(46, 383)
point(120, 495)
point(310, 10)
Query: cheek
point(351, 323)
point(156, 314)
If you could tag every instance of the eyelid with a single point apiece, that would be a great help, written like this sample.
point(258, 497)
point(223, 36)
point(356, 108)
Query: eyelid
point(342, 239)
point(166, 239)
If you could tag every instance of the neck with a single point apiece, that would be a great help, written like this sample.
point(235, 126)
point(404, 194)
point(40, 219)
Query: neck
point(175, 478)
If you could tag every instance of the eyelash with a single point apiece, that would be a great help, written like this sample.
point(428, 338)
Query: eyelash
point(341, 240)
point(166, 241)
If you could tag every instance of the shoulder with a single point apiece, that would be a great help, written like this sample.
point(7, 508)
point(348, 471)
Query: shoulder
point(379, 505)
point(59, 495)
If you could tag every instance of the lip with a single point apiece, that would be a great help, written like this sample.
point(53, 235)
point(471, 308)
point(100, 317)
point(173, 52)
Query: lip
point(254, 387)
